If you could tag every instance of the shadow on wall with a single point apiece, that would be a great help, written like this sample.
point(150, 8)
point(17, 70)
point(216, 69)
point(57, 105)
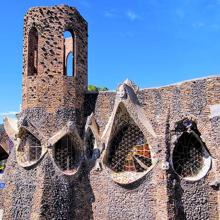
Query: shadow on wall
point(175, 190)
point(66, 197)
point(177, 194)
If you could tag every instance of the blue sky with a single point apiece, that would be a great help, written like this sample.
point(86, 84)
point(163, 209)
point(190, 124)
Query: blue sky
point(152, 42)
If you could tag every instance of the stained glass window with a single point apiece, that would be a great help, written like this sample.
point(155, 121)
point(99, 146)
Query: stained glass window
point(129, 151)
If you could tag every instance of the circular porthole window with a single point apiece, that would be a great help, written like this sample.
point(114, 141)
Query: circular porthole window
point(190, 159)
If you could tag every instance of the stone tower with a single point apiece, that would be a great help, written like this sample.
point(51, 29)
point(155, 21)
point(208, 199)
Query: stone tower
point(48, 137)
point(46, 84)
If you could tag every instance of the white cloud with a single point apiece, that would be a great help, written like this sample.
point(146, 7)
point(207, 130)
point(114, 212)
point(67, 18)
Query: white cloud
point(132, 15)
point(3, 114)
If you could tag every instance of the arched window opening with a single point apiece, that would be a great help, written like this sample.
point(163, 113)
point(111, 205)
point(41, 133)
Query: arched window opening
point(33, 52)
point(129, 151)
point(90, 143)
point(29, 149)
point(66, 153)
point(189, 155)
point(67, 34)
point(70, 65)
point(69, 54)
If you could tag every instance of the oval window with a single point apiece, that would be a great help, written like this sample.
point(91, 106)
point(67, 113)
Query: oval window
point(129, 151)
point(128, 156)
point(30, 149)
point(67, 155)
point(190, 158)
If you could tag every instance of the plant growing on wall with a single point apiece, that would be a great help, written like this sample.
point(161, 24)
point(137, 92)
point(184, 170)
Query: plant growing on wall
point(93, 88)
point(2, 167)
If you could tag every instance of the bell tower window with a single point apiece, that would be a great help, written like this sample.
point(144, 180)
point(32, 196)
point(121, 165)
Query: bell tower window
point(33, 52)
point(69, 54)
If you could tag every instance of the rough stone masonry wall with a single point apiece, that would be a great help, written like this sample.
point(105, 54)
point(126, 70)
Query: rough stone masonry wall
point(1, 202)
point(43, 191)
point(4, 143)
point(50, 88)
point(163, 195)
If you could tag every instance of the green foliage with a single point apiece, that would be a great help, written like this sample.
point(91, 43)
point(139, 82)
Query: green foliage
point(2, 167)
point(93, 88)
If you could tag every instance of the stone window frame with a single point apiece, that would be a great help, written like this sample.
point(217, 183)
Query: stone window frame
point(206, 155)
point(68, 129)
point(28, 163)
point(15, 129)
point(129, 177)
point(127, 96)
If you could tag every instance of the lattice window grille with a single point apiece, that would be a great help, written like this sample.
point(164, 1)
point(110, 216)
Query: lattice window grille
point(34, 153)
point(129, 151)
point(66, 155)
point(188, 155)
point(30, 148)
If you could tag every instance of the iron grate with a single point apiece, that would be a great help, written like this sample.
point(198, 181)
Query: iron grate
point(29, 149)
point(188, 155)
point(129, 150)
point(65, 153)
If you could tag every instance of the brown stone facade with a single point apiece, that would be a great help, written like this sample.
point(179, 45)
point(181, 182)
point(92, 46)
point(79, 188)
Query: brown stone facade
point(126, 154)
point(47, 86)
